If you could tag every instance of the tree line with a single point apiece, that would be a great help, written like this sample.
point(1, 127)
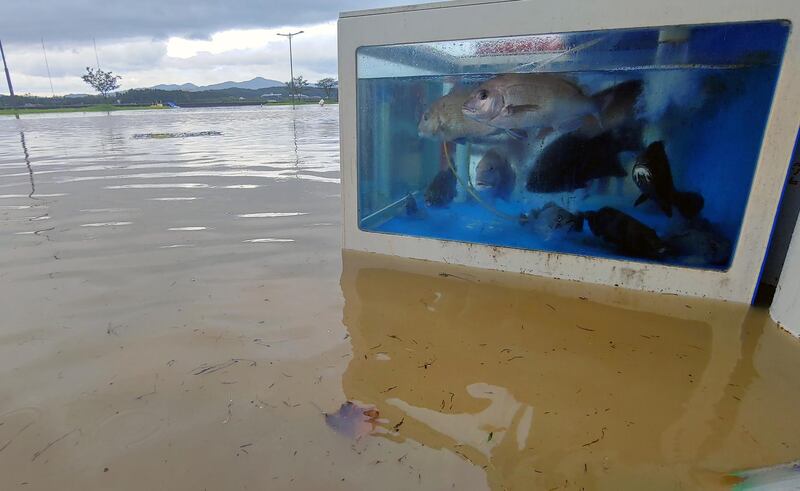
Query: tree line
point(106, 84)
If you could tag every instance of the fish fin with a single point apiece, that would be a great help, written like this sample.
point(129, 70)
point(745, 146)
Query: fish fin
point(512, 109)
point(689, 204)
point(544, 132)
point(589, 124)
point(571, 124)
point(641, 199)
point(517, 134)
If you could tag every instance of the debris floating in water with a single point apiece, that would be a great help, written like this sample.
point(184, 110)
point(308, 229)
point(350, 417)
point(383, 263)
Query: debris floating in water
point(353, 420)
point(183, 134)
point(783, 476)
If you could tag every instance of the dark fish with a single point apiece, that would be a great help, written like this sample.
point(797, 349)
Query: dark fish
point(617, 104)
point(412, 208)
point(629, 235)
point(552, 218)
point(653, 176)
point(572, 160)
point(701, 241)
point(494, 172)
point(442, 189)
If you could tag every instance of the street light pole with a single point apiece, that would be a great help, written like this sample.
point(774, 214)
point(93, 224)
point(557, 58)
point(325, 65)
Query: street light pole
point(291, 67)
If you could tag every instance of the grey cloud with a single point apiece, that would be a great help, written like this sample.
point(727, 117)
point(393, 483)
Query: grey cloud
point(65, 20)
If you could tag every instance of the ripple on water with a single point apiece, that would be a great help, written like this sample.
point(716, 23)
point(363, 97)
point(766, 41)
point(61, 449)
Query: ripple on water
point(187, 185)
point(271, 215)
point(267, 239)
point(106, 224)
point(176, 198)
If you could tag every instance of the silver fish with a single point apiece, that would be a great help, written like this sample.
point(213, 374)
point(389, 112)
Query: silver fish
point(495, 172)
point(444, 120)
point(519, 101)
point(551, 219)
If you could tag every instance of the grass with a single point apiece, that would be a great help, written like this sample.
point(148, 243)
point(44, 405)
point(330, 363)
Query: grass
point(86, 109)
point(110, 107)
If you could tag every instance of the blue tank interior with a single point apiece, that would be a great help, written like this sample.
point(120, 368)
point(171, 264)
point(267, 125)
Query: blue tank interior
point(706, 96)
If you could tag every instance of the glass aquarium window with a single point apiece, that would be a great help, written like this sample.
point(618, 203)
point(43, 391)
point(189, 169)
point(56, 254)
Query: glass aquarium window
point(638, 144)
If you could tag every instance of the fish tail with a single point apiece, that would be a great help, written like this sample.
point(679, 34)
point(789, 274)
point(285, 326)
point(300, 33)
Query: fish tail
point(688, 204)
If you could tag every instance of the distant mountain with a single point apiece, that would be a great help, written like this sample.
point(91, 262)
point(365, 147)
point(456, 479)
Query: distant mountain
point(256, 83)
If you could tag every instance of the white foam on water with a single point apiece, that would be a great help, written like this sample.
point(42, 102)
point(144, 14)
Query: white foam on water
point(271, 215)
point(106, 224)
point(268, 239)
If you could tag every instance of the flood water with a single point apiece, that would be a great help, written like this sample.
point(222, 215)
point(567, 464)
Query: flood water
point(177, 314)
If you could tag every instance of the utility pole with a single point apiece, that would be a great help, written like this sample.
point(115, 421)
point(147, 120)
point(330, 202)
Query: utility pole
point(8, 75)
point(47, 65)
point(96, 58)
point(291, 68)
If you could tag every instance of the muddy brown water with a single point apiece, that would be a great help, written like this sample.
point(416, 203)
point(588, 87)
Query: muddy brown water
point(177, 314)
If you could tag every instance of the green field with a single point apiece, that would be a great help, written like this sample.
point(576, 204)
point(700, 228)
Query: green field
point(110, 107)
point(87, 109)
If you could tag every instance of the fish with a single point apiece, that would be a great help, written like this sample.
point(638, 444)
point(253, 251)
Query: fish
point(552, 218)
point(444, 120)
point(618, 104)
point(412, 209)
point(572, 160)
point(700, 242)
point(516, 102)
point(495, 172)
point(630, 236)
point(442, 189)
point(653, 177)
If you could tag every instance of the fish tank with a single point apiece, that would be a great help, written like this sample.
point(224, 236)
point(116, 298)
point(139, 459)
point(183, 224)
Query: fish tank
point(638, 144)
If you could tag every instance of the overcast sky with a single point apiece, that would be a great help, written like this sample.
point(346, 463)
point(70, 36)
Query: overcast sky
point(150, 42)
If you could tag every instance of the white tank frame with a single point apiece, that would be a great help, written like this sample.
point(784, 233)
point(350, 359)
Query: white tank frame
point(467, 19)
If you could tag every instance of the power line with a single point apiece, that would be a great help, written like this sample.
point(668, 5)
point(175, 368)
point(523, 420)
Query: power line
point(47, 65)
point(291, 68)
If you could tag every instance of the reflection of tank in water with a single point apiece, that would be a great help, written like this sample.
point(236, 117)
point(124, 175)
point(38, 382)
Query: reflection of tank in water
point(538, 385)
point(535, 395)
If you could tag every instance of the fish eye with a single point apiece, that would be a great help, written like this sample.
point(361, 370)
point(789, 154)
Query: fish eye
point(425, 117)
point(483, 94)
